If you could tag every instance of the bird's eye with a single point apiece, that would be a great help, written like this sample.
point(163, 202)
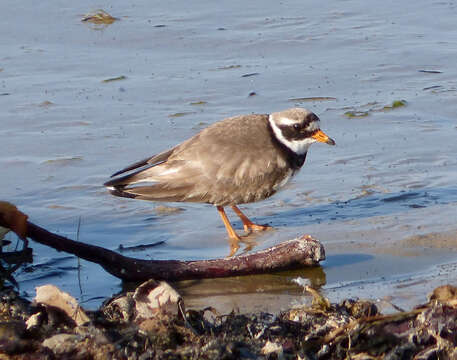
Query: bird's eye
point(297, 127)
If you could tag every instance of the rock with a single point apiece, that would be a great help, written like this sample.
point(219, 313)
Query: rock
point(152, 298)
point(271, 347)
point(121, 308)
point(34, 321)
point(150, 302)
point(52, 296)
point(62, 343)
point(88, 343)
point(97, 336)
point(445, 293)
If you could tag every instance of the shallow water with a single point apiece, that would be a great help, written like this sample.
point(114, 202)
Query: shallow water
point(391, 178)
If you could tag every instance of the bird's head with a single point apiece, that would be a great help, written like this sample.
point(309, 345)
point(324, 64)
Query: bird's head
point(297, 129)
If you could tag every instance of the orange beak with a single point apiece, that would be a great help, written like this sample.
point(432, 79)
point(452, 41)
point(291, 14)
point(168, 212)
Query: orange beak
point(322, 137)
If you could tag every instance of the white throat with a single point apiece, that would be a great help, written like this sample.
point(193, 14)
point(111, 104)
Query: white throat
point(299, 147)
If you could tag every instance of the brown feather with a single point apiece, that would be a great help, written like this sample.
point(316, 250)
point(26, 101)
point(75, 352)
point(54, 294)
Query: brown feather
point(233, 161)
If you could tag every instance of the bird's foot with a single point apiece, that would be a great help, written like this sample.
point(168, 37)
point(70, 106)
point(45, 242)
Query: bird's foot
point(234, 245)
point(248, 225)
point(249, 244)
point(248, 228)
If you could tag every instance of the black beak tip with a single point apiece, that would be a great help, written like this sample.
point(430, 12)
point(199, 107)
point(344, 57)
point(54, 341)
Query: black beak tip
point(331, 141)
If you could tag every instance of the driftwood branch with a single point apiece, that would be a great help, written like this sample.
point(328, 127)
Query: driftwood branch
point(303, 251)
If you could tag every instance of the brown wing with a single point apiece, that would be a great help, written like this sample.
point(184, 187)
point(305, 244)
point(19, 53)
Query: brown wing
point(231, 162)
point(236, 159)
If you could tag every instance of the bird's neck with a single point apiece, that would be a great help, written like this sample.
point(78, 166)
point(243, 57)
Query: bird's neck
point(294, 160)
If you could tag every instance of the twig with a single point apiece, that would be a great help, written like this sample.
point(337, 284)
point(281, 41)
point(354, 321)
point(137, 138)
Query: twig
point(299, 252)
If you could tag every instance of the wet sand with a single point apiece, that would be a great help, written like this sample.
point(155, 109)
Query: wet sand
point(383, 201)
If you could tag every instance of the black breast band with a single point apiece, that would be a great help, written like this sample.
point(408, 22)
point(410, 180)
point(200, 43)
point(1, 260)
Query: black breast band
point(294, 160)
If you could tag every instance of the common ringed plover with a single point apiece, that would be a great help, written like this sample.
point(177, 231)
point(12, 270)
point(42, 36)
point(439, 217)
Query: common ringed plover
point(238, 160)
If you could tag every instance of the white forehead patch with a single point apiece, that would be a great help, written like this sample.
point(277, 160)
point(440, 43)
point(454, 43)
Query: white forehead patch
point(286, 121)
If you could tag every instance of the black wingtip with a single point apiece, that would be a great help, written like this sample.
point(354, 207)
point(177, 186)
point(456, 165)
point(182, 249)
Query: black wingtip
point(134, 166)
point(117, 191)
point(119, 172)
point(110, 183)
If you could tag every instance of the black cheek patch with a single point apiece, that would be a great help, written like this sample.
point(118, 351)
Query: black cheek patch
point(290, 133)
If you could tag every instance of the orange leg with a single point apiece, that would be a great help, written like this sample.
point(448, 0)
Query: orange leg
point(233, 236)
point(248, 224)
